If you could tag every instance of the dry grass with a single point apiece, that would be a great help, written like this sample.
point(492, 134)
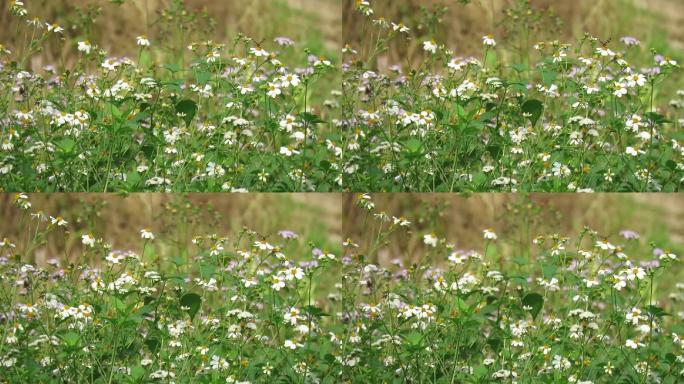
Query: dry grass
point(463, 26)
point(117, 26)
point(461, 219)
point(118, 219)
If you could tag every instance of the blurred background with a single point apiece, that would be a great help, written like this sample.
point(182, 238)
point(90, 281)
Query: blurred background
point(314, 25)
point(517, 219)
point(114, 24)
point(517, 25)
point(173, 218)
point(462, 23)
point(657, 217)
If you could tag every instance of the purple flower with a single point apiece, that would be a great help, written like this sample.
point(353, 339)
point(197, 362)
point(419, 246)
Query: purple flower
point(629, 234)
point(285, 234)
point(284, 41)
point(308, 264)
point(630, 41)
point(652, 264)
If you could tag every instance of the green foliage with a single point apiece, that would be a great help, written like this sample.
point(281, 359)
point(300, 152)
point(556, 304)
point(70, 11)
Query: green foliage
point(525, 115)
point(188, 114)
point(278, 308)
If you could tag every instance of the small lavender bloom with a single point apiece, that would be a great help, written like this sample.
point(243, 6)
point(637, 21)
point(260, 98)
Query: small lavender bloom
point(316, 252)
point(395, 68)
point(652, 264)
point(651, 71)
point(401, 274)
point(657, 252)
point(230, 70)
point(308, 264)
point(630, 41)
point(285, 234)
point(346, 260)
point(58, 274)
point(284, 41)
point(400, 80)
point(304, 71)
point(629, 234)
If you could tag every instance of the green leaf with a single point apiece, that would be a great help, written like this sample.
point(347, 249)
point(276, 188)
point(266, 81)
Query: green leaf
point(519, 67)
point(534, 108)
point(656, 118)
point(549, 270)
point(534, 300)
point(310, 118)
point(188, 108)
point(549, 77)
point(137, 372)
point(153, 344)
point(315, 311)
point(193, 302)
point(173, 67)
point(207, 270)
point(71, 339)
point(114, 110)
point(179, 261)
point(414, 338)
point(413, 145)
point(119, 305)
point(656, 311)
point(67, 145)
point(133, 179)
point(203, 77)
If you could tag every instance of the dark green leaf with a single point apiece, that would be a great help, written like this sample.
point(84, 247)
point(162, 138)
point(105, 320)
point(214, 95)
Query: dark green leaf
point(188, 108)
point(534, 108)
point(534, 300)
point(193, 302)
point(310, 118)
point(656, 311)
point(314, 311)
